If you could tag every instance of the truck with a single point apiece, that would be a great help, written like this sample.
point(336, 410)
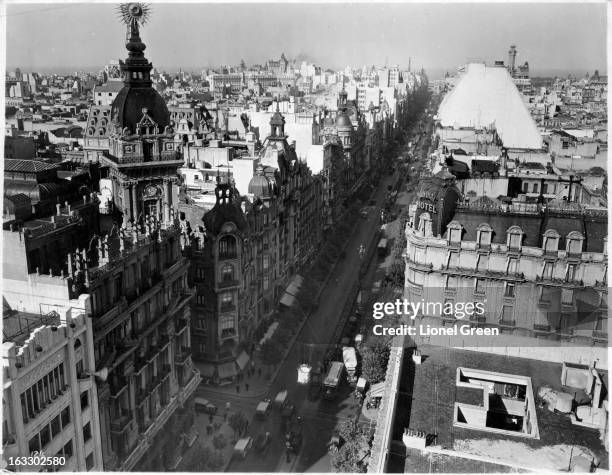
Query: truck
point(350, 362)
point(332, 380)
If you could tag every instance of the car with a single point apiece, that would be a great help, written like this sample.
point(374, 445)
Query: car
point(281, 399)
point(243, 446)
point(205, 406)
point(263, 408)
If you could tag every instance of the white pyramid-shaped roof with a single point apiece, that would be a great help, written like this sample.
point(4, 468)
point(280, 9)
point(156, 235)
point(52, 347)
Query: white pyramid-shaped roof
point(486, 96)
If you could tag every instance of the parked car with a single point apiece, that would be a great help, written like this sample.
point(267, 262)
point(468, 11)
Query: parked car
point(263, 408)
point(281, 399)
point(243, 446)
point(204, 405)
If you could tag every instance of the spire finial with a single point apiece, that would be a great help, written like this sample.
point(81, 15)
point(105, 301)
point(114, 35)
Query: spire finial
point(133, 14)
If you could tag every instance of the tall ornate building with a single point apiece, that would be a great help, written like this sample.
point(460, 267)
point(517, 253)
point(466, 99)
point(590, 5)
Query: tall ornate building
point(134, 139)
point(128, 275)
point(248, 249)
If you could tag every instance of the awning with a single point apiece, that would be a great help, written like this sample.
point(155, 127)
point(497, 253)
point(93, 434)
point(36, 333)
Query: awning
point(377, 390)
point(292, 290)
point(288, 300)
point(206, 370)
point(227, 370)
point(242, 360)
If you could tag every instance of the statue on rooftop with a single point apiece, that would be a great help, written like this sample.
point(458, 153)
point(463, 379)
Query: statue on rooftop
point(133, 14)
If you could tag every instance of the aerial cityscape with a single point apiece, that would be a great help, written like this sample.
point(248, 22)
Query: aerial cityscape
point(305, 240)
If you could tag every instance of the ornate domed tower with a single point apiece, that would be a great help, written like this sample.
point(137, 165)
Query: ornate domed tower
point(142, 156)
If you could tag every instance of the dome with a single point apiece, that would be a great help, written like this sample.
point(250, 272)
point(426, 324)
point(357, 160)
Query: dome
point(128, 107)
point(343, 120)
point(259, 185)
point(226, 210)
point(277, 119)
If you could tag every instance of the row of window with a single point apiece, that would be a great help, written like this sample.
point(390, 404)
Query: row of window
point(482, 265)
point(507, 313)
point(547, 188)
point(39, 395)
point(484, 232)
point(50, 431)
point(67, 452)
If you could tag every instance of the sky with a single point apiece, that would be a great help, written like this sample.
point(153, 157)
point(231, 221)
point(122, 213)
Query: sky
point(552, 37)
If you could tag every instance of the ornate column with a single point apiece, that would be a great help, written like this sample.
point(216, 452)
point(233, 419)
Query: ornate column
point(134, 201)
point(166, 197)
point(125, 201)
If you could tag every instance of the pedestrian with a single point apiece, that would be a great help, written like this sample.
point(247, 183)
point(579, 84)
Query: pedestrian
point(259, 372)
point(228, 406)
point(237, 389)
point(246, 386)
point(210, 418)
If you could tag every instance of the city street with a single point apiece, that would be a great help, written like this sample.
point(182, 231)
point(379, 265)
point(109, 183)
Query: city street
point(319, 417)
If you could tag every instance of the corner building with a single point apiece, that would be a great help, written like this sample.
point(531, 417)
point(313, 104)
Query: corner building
point(540, 270)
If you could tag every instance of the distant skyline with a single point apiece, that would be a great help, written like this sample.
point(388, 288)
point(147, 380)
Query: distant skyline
point(555, 38)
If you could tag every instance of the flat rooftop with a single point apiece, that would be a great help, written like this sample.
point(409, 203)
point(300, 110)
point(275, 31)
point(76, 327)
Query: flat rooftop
point(428, 393)
point(18, 326)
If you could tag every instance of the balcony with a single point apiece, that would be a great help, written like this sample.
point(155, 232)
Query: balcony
point(181, 325)
point(541, 328)
point(600, 335)
point(163, 342)
point(117, 390)
point(544, 303)
point(227, 307)
point(228, 283)
point(120, 424)
point(478, 319)
point(183, 355)
point(228, 333)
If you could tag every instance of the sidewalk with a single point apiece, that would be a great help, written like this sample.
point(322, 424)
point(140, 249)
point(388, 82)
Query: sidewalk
point(193, 456)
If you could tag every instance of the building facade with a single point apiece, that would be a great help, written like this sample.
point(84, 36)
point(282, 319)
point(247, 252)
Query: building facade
point(50, 397)
point(540, 271)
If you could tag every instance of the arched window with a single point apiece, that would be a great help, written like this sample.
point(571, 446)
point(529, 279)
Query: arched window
point(454, 233)
point(227, 247)
point(550, 243)
point(514, 238)
point(483, 235)
point(425, 224)
point(574, 241)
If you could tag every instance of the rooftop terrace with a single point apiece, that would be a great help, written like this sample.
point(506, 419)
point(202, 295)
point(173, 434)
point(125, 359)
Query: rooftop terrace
point(428, 393)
